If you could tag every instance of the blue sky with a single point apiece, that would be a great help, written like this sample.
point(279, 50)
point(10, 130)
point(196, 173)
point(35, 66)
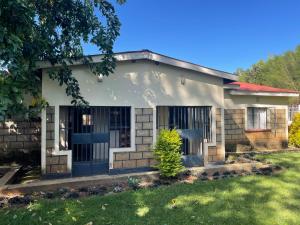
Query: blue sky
point(222, 34)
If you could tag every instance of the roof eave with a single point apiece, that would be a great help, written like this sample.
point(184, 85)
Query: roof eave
point(147, 55)
point(273, 94)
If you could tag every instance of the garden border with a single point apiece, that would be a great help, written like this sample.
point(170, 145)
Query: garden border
point(50, 185)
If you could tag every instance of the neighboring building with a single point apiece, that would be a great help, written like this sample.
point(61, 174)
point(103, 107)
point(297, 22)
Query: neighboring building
point(148, 92)
point(256, 117)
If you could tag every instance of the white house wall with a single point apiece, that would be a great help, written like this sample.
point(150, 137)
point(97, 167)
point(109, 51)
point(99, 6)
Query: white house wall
point(141, 84)
point(244, 101)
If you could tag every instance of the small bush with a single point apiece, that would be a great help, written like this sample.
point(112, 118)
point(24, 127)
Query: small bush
point(133, 182)
point(294, 131)
point(167, 152)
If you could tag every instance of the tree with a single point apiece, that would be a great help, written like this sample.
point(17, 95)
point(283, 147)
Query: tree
point(53, 31)
point(282, 71)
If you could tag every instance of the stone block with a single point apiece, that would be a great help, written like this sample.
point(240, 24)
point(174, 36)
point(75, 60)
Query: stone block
point(136, 155)
point(48, 169)
point(142, 118)
point(63, 159)
point(138, 126)
point(151, 118)
point(10, 138)
point(52, 160)
point(147, 125)
point(142, 163)
point(218, 117)
point(118, 164)
point(4, 131)
point(16, 145)
point(122, 156)
point(147, 111)
point(212, 152)
point(50, 135)
point(23, 138)
point(138, 111)
point(129, 164)
point(59, 169)
point(147, 140)
point(49, 143)
point(152, 162)
point(142, 133)
point(50, 126)
point(32, 145)
point(139, 140)
point(147, 155)
point(141, 148)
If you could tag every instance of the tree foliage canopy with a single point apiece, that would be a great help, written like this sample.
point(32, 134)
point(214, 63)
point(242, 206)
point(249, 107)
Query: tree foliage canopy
point(282, 71)
point(47, 30)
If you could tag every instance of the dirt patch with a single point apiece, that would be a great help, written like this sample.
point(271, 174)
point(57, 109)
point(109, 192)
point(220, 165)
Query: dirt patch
point(27, 174)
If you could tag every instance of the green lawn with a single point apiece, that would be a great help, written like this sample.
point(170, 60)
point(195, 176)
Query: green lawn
point(241, 200)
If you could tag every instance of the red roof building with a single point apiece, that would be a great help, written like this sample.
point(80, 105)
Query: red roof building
point(243, 86)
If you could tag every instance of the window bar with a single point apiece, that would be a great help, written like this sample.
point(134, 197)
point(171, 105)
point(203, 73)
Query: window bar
point(210, 124)
point(84, 128)
point(121, 127)
point(124, 129)
point(101, 152)
point(77, 131)
point(95, 128)
point(105, 111)
point(109, 118)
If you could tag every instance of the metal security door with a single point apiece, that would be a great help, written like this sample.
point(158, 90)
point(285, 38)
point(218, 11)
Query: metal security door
point(90, 140)
point(193, 124)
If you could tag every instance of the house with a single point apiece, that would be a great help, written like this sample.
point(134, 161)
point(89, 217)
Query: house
point(147, 92)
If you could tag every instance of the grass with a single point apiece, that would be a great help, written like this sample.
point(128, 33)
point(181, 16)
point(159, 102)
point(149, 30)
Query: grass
point(240, 200)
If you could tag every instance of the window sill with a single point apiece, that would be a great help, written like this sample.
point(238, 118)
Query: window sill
point(257, 130)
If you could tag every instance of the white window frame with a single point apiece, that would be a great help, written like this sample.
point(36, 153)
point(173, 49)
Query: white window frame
point(259, 127)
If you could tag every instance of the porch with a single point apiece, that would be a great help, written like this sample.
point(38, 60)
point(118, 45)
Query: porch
point(102, 139)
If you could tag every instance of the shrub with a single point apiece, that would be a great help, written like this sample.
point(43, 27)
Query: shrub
point(294, 131)
point(133, 182)
point(167, 153)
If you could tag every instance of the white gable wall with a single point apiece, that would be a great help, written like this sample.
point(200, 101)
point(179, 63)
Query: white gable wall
point(141, 84)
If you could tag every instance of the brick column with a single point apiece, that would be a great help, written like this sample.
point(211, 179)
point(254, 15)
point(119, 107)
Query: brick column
point(55, 164)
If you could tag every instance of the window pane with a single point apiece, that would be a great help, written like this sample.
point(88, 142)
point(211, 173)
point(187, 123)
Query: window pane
point(262, 118)
point(250, 118)
point(120, 127)
point(86, 119)
point(63, 127)
point(256, 118)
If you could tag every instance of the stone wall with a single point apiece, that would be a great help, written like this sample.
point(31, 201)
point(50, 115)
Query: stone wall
point(238, 139)
point(215, 153)
point(55, 164)
point(143, 156)
point(19, 138)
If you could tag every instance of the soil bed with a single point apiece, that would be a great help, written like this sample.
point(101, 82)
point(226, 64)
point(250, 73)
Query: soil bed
point(27, 174)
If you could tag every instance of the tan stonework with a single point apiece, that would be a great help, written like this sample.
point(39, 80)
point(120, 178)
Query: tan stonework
point(18, 136)
point(143, 139)
point(238, 139)
point(55, 164)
